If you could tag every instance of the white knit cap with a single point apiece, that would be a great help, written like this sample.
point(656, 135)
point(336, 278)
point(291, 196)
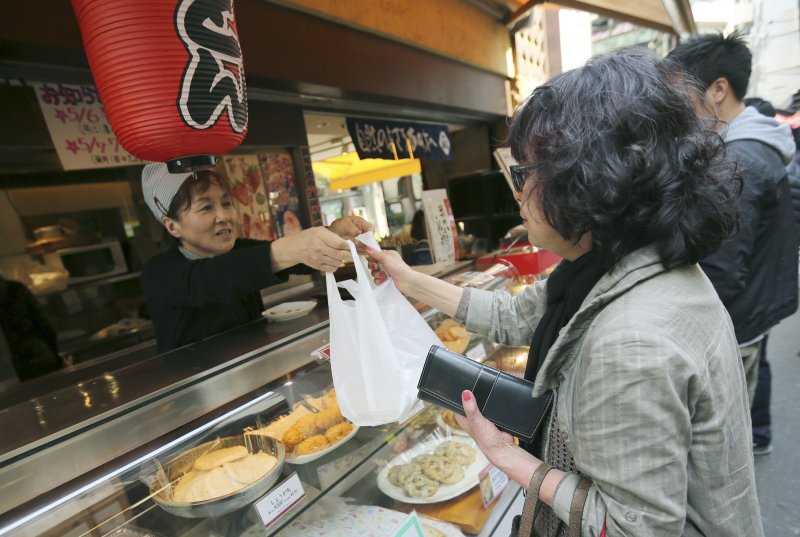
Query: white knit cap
point(159, 187)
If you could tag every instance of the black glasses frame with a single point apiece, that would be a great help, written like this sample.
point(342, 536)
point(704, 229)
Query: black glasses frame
point(519, 174)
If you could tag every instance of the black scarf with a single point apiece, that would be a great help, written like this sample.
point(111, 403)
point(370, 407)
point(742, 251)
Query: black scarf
point(567, 287)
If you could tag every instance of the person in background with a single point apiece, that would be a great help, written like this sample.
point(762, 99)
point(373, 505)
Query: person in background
point(755, 270)
point(210, 281)
point(30, 337)
point(649, 432)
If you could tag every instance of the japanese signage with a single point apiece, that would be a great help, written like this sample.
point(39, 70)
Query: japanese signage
point(280, 499)
point(399, 139)
point(79, 128)
point(441, 225)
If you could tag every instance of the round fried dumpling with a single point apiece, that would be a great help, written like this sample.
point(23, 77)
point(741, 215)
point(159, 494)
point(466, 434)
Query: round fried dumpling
point(401, 473)
point(338, 431)
point(251, 468)
point(457, 452)
point(442, 469)
point(219, 457)
point(311, 445)
point(420, 486)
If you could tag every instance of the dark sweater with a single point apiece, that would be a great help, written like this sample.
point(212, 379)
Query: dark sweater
point(193, 299)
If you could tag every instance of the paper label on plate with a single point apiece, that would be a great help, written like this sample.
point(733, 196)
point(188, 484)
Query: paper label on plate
point(493, 482)
point(410, 527)
point(280, 499)
point(478, 352)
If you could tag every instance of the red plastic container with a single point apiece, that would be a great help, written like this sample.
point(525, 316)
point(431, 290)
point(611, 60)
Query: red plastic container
point(526, 261)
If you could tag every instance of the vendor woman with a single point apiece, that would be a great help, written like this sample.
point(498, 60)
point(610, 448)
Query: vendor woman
point(210, 280)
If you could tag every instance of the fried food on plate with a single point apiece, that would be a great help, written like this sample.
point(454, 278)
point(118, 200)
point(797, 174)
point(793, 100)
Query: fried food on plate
point(311, 445)
point(338, 431)
point(327, 418)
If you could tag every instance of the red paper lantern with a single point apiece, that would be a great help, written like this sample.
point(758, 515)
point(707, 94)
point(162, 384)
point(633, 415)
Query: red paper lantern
point(170, 75)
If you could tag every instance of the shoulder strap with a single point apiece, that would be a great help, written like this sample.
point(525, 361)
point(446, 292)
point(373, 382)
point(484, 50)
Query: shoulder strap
point(530, 508)
point(576, 507)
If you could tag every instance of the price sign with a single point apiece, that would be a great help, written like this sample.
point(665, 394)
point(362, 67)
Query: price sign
point(493, 482)
point(280, 499)
point(79, 127)
point(477, 353)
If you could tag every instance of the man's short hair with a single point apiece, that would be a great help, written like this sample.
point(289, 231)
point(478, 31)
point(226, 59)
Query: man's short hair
point(708, 57)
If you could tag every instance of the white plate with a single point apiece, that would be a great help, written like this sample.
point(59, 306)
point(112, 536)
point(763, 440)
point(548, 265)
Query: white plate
point(302, 459)
point(445, 492)
point(290, 310)
point(443, 424)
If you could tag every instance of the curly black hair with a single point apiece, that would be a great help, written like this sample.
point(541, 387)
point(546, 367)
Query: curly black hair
point(621, 153)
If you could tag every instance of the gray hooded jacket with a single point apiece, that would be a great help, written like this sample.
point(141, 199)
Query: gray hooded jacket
point(755, 270)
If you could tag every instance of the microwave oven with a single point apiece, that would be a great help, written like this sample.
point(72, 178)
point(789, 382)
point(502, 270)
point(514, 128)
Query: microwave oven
point(91, 262)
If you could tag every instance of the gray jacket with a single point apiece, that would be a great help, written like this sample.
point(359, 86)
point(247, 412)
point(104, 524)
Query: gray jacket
point(652, 398)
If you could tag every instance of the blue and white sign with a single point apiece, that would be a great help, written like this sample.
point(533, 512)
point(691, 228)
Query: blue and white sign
point(399, 139)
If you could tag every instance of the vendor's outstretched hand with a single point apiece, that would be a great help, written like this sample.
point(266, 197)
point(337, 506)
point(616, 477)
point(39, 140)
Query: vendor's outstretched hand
point(349, 227)
point(317, 247)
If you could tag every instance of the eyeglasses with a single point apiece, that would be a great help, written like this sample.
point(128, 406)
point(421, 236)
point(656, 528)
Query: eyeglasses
point(519, 174)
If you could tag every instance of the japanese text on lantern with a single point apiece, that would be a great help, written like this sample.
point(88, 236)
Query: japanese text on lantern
point(79, 128)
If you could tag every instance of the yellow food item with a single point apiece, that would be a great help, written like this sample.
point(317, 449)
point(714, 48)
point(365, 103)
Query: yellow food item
point(449, 417)
point(452, 335)
point(307, 425)
point(311, 445)
point(338, 431)
point(326, 419)
point(219, 457)
point(291, 438)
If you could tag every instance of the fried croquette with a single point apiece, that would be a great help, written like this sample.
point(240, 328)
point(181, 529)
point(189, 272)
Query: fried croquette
point(311, 445)
point(291, 438)
point(338, 431)
point(328, 418)
point(307, 425)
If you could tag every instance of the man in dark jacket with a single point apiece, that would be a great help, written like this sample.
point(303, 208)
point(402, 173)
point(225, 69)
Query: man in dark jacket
point(755, 270)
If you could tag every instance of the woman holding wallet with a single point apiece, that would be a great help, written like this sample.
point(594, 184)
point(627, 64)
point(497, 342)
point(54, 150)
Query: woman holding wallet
point(649, 430)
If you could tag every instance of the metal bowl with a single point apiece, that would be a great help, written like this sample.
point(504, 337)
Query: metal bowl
point(224, 504)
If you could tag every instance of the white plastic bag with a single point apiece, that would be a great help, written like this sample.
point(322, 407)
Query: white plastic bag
point(378, 347)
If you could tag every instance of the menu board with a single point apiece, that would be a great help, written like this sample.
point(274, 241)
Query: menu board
point(79, 128)
point(278, 172)
point(250, 196)
point(441, 225)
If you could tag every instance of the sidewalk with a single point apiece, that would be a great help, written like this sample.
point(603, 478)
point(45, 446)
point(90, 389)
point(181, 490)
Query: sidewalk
point(778, 474)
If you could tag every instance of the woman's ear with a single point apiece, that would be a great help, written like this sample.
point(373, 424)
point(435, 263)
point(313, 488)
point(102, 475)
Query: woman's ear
point(173, 227)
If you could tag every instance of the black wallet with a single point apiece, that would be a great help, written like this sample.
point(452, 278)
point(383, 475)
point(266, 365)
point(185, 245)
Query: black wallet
point(505, 400)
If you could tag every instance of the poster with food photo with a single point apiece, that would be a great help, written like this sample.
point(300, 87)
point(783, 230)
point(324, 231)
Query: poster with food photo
point(285, 205)
point(250, 196)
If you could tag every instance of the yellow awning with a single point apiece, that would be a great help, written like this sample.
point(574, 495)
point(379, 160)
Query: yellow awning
point(347, 171)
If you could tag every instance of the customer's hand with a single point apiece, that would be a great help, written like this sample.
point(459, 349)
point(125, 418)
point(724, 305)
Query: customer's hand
point(349, 227)
point(502, 452)
point(317, 247)
point(494, 443)
point(385, 264)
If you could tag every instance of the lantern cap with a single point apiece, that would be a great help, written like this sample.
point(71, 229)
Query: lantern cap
point(191, 163)
point(159, 187)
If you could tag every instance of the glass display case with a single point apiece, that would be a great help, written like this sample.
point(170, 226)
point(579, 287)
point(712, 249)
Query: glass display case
point(108, 457)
